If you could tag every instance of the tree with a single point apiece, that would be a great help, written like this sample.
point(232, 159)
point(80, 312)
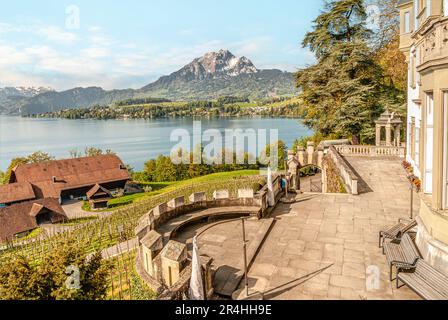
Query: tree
point(2, 177)
point(50, 279)
point(340, 93)
point(282, 153)
point(35, 157)
point(388, 22)
point(341, 21)
point(92, 151)
point(74, 153)
point(165, 170)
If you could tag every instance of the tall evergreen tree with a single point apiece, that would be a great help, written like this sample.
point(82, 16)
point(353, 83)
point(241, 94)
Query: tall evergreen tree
point(340, 93)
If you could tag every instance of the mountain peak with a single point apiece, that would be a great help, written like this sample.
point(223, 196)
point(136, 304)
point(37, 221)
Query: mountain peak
point(213, 65)
point(221, 64)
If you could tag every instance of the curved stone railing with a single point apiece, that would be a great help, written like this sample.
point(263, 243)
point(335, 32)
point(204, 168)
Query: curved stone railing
point(162, 262)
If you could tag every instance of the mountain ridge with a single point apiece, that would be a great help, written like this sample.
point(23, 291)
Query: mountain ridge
point(208, 77)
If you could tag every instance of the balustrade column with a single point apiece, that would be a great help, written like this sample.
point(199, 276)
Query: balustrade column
point(378, 135)
point(398, 135)
point(388, 135)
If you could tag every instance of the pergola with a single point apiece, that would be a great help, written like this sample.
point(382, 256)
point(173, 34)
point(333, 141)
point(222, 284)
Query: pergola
point(390, 122)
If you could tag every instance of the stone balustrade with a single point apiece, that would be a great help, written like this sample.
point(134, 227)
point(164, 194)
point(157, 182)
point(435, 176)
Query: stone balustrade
point(370, 151)
point(166, 265)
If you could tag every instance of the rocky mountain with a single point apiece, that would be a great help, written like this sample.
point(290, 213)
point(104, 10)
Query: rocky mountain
point(10, 95)
point(219, 74)
point(213, 65)
point(213, 75)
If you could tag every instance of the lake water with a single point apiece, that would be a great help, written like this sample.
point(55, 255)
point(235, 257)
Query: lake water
point(135, 141)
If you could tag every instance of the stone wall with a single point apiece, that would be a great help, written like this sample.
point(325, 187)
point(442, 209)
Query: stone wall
point(163, 213)
point(344, 171)
point(331, 180)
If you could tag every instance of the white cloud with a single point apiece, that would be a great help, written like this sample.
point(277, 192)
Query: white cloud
point(95, 52)
point(96, 59)
point(56, 34)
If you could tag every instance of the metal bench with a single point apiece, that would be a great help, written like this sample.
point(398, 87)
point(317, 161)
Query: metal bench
point(396, 231)
point(401, 253)
point(427, 282)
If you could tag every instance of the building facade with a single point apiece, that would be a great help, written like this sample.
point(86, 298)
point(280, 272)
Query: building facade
point(424, 41)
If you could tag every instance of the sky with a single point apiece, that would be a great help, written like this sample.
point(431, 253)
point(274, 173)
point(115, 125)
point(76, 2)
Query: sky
point(129, 44)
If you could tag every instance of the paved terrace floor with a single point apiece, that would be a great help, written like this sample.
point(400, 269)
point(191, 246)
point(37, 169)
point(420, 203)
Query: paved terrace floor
point(335, 231)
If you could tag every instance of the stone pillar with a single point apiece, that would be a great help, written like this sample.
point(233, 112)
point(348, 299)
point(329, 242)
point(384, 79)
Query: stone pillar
point(221, 195)
point(197, 197)
point(151, 245)
point(324, 180)
point(245, 193)
point(301, 155)
point(310, 151)
point(378, 135)
point(293, 170)
point(388, 135)
point(174, 258)
point(176, 203)
point(398, 135)
point(160, 209)
point(145, 224)
point(320, 156)
point(291, 155)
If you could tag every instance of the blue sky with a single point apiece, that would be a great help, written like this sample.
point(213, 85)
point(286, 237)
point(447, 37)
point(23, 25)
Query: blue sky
point(121, 44)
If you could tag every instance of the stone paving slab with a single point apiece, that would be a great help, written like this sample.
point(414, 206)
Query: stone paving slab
point(230, 263)
point(340, 231)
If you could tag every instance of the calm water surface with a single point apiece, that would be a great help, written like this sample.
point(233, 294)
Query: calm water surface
point(135, 141)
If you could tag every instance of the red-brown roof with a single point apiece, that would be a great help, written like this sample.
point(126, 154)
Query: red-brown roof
point(21, 217)
point(51, 177)
point(97, 189)
point(16, 192)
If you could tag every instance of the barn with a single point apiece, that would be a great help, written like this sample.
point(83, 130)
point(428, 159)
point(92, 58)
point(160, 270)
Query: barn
point(71, 178)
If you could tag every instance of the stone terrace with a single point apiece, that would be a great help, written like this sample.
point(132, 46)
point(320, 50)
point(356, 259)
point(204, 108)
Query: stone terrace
point(335, 231)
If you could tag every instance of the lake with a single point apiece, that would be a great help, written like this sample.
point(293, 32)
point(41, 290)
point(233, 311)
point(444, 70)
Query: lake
point(135, 141)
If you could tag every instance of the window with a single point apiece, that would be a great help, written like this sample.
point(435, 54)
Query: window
point(445, 8)
point(407, 22)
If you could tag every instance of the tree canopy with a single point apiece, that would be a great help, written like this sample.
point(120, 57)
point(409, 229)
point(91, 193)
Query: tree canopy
point(63, 274)
point(35, 157)
point(352, 81)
